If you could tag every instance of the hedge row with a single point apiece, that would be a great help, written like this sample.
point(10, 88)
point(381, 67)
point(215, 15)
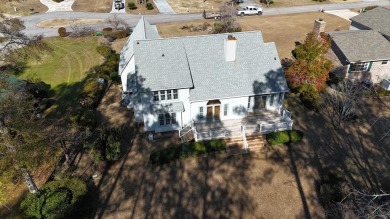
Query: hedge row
point(185, 150)
point(284, 137)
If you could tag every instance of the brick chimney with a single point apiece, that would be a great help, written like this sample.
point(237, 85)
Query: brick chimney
point(319, 27)
point(230, 48)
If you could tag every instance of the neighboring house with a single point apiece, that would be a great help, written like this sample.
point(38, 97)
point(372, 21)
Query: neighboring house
point(363, 52)
point(363, 55)
point(212, 86)
point(376, 19)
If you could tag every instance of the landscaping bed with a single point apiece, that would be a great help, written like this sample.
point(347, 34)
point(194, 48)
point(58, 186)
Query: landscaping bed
point(186, 150)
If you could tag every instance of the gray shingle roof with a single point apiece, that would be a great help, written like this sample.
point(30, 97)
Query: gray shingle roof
point(143, 30)
point(362, 45)
point(171, 107)
point(199, 62)
point(376, 19)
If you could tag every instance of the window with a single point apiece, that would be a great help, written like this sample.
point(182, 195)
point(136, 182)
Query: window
point(225, 109)
point(161, 119)
point(272, 100)
point(357, 67)
point(167, 118)
point(385, 62)
point(201, 113)
point(162, 95)
point(249, 103)
point(155, 95)
point(165, 95)
point(173, 117)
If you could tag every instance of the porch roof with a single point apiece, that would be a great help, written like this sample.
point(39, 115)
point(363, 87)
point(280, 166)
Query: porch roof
point(171, 107)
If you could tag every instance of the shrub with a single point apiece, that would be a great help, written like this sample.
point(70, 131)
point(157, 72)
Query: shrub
point(104, 50)
point(284, 137)
point(185, 150)
point(119, 34)
point(62, 31)
point(333, 187)
point(295, 135)
point(107, 29)
point(84, 118)
point(55, 199)
point(311, 101)
point(276, 138)
point(149, 6)
point(108, 145)
point(131, 6)
point(91, 94)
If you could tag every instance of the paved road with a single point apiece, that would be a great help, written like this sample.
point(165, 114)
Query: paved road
point(32, 20)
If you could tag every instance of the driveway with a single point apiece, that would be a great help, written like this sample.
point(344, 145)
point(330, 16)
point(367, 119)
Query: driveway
point(345, 14)
point(163, 7)
point(66, 5)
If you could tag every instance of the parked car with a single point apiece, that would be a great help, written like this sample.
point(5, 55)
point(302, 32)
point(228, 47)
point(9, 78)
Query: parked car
point(250, 10)
point(238, 1)
point(119, 5)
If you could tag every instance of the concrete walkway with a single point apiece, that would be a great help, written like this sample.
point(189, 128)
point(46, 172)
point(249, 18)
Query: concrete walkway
point(163, 7)
point(53, 6)
point(345, 14)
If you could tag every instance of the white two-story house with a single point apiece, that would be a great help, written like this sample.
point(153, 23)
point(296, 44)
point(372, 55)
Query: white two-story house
point(211, 85)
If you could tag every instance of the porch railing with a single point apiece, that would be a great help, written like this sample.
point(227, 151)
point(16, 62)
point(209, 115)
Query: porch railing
point(244, 138)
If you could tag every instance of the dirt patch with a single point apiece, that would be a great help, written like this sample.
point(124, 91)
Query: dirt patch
point(284, 30)
point(112, 113)
point(23, 8)
point(68, 22)
point(92, 5)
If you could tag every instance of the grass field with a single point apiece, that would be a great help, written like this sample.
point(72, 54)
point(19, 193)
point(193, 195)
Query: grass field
point(66, 63)
point(284, 30)
point(24, 7)
point(64, 68)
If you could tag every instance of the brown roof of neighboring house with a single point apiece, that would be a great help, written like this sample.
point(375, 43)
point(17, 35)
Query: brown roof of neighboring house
point(376, 19)
point(362, 45)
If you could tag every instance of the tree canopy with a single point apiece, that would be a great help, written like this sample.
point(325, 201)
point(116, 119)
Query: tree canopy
point(310, 69)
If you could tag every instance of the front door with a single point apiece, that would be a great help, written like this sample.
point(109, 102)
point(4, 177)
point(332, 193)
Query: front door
point(213, 112)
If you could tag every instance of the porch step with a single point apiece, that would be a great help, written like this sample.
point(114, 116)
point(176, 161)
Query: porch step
point(234, 146)
point(255, 143)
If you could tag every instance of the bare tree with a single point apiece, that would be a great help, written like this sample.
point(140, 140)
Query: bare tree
point(80, 30)
point(14, 41)
point(341, 101)
point(383, 124)
point(116, 22)
point(227, 21)
point(370, 205)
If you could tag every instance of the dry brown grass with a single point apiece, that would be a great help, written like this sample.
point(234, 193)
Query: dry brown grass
point(68, 22)
point(92, 5)
point(23, 7)
point(284, 30)
point(118, 44)
point(193, 6)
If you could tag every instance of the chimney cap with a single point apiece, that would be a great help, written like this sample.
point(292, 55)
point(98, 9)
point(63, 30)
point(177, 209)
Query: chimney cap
point(231, 37)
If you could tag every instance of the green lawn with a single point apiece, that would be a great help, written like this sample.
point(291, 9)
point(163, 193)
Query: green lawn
point(66, 63)
point(64, 68)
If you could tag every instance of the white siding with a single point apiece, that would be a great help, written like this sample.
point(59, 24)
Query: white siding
point(379, 71)
point(151, 121)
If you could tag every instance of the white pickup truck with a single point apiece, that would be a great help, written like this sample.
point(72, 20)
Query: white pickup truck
point(249, 10)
